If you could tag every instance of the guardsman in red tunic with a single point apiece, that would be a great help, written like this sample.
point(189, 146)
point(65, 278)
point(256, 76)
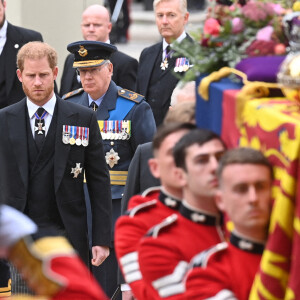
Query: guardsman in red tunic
point(152, 207)
point(227, 270)
point(165, 252)
point(49, 264)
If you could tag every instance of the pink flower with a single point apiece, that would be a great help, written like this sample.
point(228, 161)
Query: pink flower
point(257, 11)
point(232, 8)
point(212, 27)
point(237, 25)
point(278, 9)
point(265, 34)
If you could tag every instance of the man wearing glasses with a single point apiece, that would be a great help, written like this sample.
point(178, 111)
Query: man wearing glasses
point(125, 121)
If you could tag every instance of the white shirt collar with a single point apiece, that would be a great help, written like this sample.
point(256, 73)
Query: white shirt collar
point(3, 30)
point(179, 39)
point(49, 106)
point(97, 101)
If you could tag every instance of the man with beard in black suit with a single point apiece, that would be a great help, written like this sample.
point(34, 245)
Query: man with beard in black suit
point(12, 38)
point(96, 26)
point(156, 79)
point(48, 148)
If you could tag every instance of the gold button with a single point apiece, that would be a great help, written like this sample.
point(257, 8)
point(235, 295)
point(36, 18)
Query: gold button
point(112, 143)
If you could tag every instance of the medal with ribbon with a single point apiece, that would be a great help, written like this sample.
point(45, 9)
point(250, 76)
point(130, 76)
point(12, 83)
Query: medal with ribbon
point(165, 63)
point(40, 123)
point(73, 133)
point(181, 65)
point(85, 136)
point(78, 136)
point(66, 134)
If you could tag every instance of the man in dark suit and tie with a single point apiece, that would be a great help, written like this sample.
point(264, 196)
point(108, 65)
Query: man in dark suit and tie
point(44, 179)
point(155, 78)
point(96, 26)
point(12, 38)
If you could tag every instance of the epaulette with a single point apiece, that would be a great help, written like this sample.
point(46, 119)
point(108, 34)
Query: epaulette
point(154, 231)
point(201, 259)
point(130, 95)
point(132, 212)
point(73, 93)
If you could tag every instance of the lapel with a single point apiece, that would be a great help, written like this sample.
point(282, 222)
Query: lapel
point(65, 116)
point(12, 48)
point(17, 133)
point(84, 100)
point(70, 75)
point(108, 103)
point(150, 60)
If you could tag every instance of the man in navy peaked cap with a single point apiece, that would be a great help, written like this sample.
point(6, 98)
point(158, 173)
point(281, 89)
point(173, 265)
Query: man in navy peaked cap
point(125, 120)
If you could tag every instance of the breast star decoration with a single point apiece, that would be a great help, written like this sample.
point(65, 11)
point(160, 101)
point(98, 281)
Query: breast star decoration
point(112, 157)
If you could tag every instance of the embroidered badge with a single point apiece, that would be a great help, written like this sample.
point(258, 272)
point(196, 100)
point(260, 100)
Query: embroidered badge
point(82, 51)
point(198, 218)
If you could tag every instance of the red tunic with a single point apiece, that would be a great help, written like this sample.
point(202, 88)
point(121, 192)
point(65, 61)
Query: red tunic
point(224, 271)
point(164, 255)
point(144, 212)
point(80, 284)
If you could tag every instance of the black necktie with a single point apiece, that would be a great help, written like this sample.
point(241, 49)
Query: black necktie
point(94, 106)
point(168, 49)
point(39, 127)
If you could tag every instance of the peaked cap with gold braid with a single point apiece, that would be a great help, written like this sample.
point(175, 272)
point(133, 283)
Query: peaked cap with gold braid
point(89, 54)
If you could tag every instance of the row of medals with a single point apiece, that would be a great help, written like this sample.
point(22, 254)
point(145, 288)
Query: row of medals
point(70, 132)
point(72, 141)
point(182, 65)
point(110, 135)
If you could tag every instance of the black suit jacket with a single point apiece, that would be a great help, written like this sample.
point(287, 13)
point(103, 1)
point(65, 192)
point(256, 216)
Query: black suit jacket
point(69, 193)
point(147, 62)
point(16, 38)
point(124, 73)
point(139, 175)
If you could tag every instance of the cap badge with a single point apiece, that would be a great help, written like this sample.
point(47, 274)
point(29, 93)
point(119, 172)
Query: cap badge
point(82, 51)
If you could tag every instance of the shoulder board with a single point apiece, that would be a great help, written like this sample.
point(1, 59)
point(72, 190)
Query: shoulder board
point(73, 93)
point(154, 231)
point(132, 212)
point(130, 95)
point(201, 259)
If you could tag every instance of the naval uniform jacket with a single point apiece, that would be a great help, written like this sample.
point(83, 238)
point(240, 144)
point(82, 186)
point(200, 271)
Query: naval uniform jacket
point(69, 194)
point(142, 131)
point(16, 38)
point(156, 85)
point(124, 73)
